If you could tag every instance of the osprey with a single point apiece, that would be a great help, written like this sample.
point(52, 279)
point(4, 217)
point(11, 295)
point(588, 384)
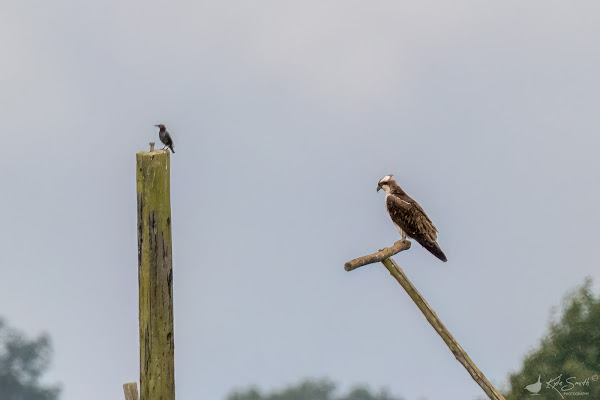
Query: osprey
point(164, 136)
point(409, 217)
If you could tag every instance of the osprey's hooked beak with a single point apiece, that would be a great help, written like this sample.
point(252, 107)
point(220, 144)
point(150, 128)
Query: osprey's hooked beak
point(384, 181)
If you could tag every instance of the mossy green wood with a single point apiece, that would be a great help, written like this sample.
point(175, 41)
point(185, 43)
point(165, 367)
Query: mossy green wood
point(155, 274)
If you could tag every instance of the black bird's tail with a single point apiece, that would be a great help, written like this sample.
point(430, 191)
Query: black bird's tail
point(435, 249)
point(171, 147)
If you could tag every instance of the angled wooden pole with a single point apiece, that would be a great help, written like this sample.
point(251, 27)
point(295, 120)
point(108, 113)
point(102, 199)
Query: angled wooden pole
point(461, 355)
point(155, 275)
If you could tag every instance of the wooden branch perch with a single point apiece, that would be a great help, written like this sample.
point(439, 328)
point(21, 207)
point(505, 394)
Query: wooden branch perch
point(381, 255)
point(427, 311)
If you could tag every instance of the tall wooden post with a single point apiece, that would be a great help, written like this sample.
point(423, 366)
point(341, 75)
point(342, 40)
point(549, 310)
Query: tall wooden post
point(155, 274)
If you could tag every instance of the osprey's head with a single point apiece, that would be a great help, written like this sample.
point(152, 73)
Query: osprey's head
point(384, 183)
point(160, 126)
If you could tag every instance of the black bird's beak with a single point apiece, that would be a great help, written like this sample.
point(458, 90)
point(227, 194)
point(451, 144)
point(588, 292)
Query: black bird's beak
point(378, 187)
point(156, 126)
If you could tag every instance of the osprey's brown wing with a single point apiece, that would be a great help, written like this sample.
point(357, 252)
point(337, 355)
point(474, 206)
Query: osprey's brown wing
point(410, 217)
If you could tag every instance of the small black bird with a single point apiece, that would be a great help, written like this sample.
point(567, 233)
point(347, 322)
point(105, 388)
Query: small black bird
point(165, 137)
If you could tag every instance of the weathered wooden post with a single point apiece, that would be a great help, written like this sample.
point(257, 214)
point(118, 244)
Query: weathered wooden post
point(155, 275)
point(385, 257)
point(130, 390)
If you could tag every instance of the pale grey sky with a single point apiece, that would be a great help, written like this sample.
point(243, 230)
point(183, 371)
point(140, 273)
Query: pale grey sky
point(285, 115)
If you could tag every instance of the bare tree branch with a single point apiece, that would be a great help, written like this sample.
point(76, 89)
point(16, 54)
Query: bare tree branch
point(381, 255)
point(384, 255)
point(439, 327)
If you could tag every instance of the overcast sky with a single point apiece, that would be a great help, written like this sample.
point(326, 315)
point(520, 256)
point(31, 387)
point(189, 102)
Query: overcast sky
point(284, 117)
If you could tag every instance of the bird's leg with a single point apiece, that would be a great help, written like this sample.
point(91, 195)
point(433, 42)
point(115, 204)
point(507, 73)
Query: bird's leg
point(402, 233)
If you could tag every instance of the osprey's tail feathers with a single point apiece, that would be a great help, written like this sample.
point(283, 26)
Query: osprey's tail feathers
point(435, 249)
